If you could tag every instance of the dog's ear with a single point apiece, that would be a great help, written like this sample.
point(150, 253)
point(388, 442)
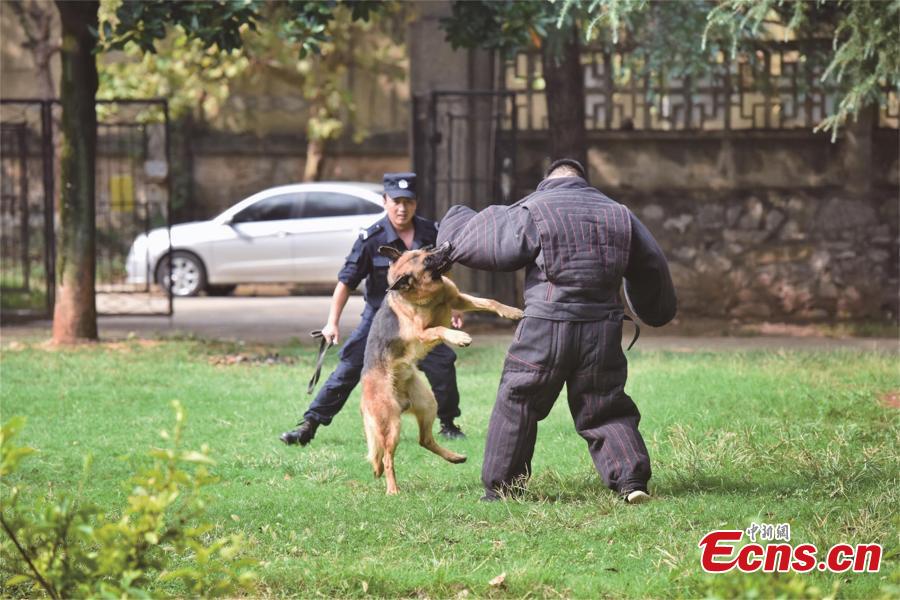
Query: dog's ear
point(402, 283)
point(427, 248)
point(390, 252)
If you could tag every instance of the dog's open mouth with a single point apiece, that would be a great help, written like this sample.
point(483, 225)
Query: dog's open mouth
point(438, 262)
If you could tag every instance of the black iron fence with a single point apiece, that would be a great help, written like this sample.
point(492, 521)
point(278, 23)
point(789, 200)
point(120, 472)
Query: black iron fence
point(772, 88)
point(26, 208)
point(132, 198)
point(470, 158)
point(461, 168)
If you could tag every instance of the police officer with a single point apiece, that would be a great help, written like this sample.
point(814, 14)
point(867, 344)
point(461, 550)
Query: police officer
point(402, 229)
point(577, 246)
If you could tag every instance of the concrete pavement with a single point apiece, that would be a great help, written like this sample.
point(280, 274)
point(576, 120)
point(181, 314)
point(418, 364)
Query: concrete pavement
point(283, 319)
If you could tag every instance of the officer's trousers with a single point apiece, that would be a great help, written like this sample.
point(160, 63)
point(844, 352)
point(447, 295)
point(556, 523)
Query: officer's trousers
point(588, 358)
point(438, 365)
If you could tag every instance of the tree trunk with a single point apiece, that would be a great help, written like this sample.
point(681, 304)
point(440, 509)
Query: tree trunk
point(564, 78)
point(315, 153)
point(857, 150)
point(75, 313)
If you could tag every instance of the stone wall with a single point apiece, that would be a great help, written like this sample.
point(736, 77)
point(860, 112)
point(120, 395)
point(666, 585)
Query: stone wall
point(784, 254)
point(654, 161)
point(228, 167)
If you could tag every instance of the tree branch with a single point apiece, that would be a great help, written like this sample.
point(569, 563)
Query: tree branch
point(37, 575)
point(61, 535)
point(23, 20)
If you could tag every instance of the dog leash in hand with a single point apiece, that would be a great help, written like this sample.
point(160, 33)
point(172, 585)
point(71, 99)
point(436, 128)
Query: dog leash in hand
point(637, 331)
point(324, 345)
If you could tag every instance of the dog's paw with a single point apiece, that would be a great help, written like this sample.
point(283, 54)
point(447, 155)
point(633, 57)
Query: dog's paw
point(513, 314)
point(457, 459)
point(458, 338)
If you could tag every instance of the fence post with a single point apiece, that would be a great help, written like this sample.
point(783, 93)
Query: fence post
point(48, 159)
point(168, 133)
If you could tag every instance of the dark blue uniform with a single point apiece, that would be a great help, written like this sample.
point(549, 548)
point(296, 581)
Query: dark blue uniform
point(364, 262)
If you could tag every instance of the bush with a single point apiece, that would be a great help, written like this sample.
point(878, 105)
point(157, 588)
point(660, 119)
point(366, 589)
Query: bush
point(66, 547)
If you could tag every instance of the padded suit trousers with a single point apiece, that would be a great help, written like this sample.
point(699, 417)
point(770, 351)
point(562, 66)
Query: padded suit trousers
point(586, 356)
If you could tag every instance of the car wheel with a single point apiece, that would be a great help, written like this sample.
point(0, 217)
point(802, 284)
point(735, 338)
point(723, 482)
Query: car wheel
point(188, 274)
point(220, 290)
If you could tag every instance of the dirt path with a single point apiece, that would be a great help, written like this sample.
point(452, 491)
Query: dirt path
point(278, 320)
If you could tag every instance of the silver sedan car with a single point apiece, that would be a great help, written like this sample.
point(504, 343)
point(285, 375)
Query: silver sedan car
point(289, 234)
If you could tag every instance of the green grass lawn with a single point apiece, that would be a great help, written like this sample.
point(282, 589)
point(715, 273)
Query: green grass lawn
point(735, 438)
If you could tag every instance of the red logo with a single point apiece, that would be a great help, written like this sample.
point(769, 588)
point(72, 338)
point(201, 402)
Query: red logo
point(719, 554)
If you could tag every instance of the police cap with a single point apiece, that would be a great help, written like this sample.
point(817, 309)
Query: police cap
point(400, 185)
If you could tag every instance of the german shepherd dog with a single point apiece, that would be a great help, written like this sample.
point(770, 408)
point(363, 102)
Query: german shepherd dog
point(413, 319)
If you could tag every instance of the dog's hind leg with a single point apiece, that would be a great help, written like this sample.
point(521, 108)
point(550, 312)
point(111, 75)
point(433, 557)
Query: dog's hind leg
point(390, 426)
point(381, 419)
point(382, 436)
point(424, 406)
point(375, 442)
point(374, 437)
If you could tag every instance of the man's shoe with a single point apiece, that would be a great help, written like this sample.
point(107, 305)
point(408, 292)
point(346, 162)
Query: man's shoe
point(450, 431)
point(302, 435)
point(636, 497)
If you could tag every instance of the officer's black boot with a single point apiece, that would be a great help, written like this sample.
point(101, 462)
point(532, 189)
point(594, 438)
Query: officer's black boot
point(302, 435)
point(450, 431)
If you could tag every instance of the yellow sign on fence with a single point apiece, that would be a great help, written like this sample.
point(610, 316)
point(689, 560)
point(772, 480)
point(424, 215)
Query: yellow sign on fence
point(121, 193)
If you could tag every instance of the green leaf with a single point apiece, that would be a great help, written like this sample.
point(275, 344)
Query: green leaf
point(17, 580)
